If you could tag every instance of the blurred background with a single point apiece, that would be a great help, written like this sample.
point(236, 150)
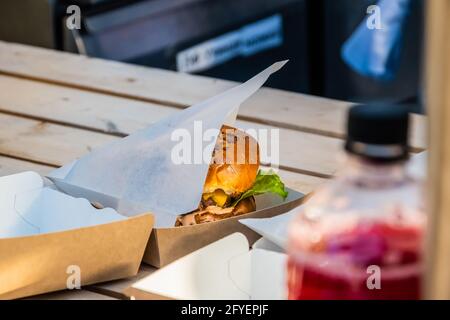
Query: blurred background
point(235, 39)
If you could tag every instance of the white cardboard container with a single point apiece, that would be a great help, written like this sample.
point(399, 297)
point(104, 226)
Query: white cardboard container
point(223, 270)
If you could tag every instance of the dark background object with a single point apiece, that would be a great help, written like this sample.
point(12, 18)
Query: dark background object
point(340, 19)
point(28, 21)
point(152, 32)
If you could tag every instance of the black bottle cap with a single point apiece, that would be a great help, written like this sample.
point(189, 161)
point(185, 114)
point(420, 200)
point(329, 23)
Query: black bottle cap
point(378, 132)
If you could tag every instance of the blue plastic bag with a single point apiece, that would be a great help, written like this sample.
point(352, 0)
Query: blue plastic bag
point(374, 50)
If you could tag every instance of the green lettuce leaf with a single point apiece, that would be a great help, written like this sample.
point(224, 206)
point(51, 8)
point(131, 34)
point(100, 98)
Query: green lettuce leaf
point(265, 182)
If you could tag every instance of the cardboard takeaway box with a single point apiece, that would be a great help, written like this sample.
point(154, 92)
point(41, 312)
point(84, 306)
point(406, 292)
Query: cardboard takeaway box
point(223, 270)
point(138, 174)
point(46, 236)
point(169, 243)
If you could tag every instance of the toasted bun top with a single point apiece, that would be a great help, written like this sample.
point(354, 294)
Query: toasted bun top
point(234, 163)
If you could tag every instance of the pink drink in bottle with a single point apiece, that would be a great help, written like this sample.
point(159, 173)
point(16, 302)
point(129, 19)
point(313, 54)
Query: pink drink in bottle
point(361, 235)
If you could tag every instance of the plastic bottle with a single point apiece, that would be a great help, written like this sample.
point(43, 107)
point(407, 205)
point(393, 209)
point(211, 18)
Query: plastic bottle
point(361, 235)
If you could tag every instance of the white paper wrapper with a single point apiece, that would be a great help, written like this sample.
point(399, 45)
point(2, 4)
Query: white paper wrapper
point(136, 174)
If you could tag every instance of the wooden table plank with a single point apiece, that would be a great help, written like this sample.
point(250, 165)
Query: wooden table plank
point(83, 109)
point(57, 144)
point(300, 182)
point(11, 166)
point(270, 106)
point(100, 112)
point(44, 142)
point(22, 138)
point(56, 153)
point(76, 107)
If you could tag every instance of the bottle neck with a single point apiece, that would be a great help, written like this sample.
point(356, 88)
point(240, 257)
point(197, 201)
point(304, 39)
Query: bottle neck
point(364, 173)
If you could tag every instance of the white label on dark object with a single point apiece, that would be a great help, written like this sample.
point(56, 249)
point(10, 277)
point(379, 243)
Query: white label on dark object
point(248, 40)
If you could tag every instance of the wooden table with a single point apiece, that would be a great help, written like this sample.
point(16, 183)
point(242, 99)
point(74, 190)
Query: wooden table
point(55, 107)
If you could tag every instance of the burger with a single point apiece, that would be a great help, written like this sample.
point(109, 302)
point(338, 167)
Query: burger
point(233, 179)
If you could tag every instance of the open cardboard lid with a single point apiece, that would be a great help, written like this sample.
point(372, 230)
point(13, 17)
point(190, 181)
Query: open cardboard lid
point(274, 229)
point(28, 208)
point(234, 271)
